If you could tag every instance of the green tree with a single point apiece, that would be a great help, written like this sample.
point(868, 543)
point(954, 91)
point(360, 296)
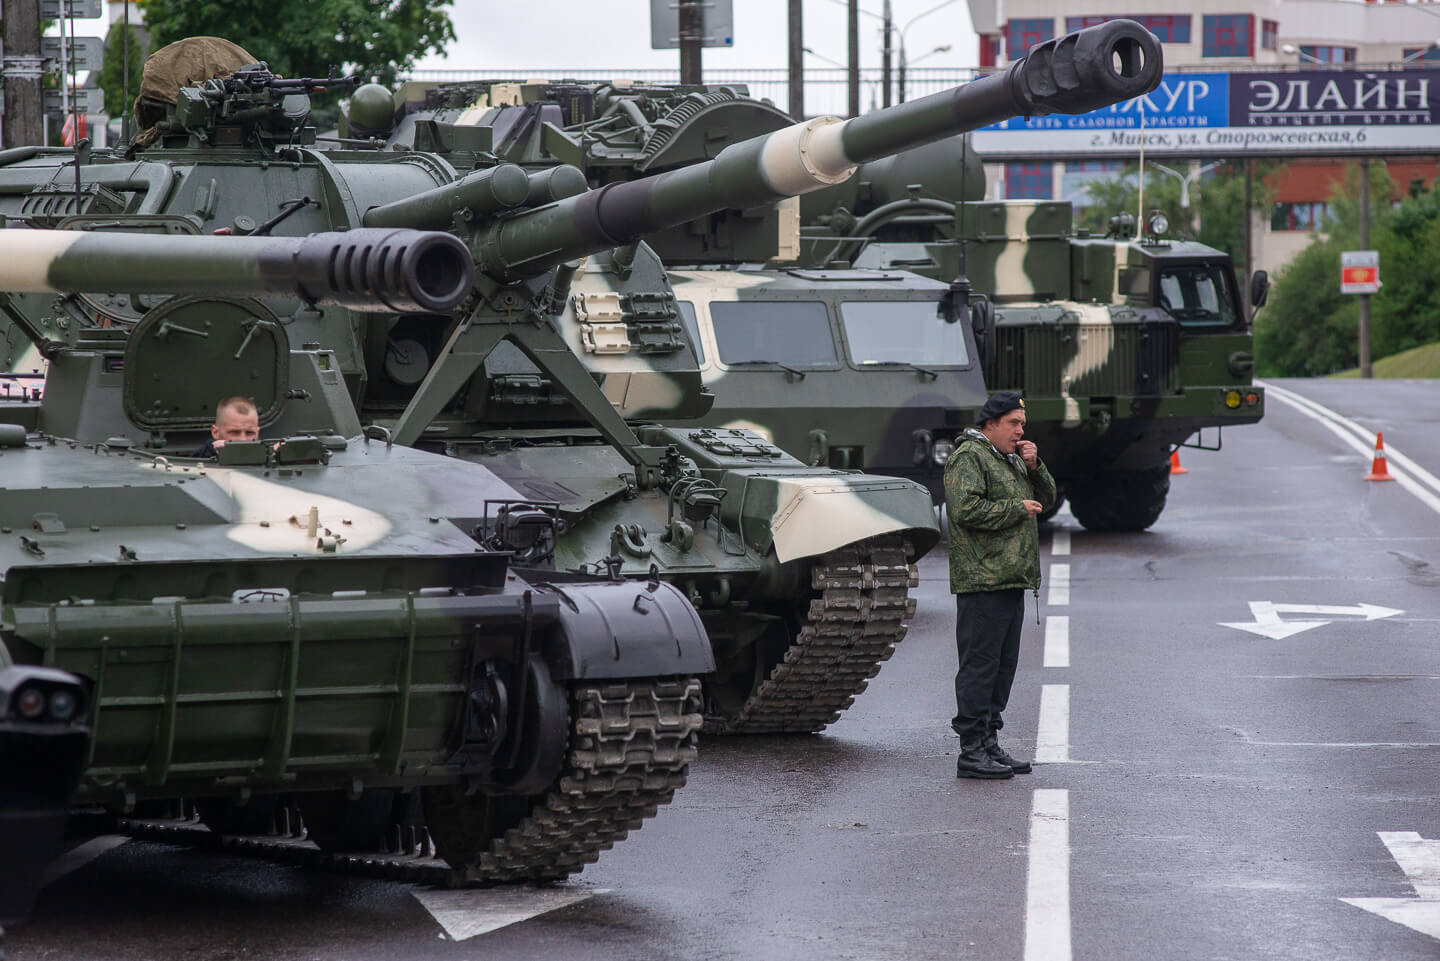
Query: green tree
point(1217, 201)
point(377, 39)
point(112, 68)
point(1406, 312)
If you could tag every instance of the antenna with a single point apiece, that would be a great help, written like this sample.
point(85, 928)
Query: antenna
point(74, 108)
point(125, 77)
point(1140, 214)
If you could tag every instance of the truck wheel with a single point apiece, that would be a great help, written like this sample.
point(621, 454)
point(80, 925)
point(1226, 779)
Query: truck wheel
point(1121, 500)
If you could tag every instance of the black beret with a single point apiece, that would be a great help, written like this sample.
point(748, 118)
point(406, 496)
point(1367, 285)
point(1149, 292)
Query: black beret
point(999, 405)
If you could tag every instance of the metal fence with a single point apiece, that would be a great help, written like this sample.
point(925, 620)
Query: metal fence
point(825, 88)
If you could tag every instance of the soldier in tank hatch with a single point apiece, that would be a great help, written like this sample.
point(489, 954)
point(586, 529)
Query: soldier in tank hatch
point(995, 486)
point(235, 419)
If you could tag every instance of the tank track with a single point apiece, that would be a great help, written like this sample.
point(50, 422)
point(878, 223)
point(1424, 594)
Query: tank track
point(855, 619)
point(632, 745)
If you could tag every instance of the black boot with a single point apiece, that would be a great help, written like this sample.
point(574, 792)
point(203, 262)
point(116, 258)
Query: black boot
point(1000, 756)
point(975, 761)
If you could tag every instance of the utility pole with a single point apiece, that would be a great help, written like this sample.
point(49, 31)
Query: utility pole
point(692, 33)
point(1365, 368)
point(797, 63)
point(887, 27)
point(23, 69)
point(852, 80)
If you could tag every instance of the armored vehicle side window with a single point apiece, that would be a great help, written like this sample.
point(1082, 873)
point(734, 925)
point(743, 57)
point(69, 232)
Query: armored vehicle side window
point(902, 332)
point(1198, 295)
point(692, 328)
point(774, 332)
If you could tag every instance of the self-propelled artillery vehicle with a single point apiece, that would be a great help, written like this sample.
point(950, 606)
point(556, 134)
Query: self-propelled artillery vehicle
point(322, 619)
point(839, 364)
point(567, 371)
point(1124, 348)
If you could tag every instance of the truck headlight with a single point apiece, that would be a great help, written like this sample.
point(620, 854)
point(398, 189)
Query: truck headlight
point(941, 451)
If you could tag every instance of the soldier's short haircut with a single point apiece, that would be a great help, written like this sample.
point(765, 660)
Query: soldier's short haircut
point(241, 405)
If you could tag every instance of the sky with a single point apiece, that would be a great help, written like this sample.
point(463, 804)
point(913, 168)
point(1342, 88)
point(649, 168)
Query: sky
point(585, 34)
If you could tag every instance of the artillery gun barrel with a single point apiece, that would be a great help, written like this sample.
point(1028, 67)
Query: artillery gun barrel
point(476, 195)
point(364, 269)
point(1079, 72)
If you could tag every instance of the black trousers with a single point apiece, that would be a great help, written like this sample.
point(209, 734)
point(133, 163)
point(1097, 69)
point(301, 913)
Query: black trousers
point(987, 637)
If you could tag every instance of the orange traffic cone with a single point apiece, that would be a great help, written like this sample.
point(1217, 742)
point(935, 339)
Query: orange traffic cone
point(1175, 467)
point(1378, 472)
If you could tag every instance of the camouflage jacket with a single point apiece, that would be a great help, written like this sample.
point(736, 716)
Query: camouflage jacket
point(994, 543)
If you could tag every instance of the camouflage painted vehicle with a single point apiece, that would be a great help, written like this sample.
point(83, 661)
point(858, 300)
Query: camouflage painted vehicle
point(837, 364)
point(326, 618)
point(1123, 348)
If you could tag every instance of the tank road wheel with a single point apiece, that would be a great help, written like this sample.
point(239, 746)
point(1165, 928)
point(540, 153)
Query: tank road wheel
point(1121, 500)
point(843, 631)
point(630, 747)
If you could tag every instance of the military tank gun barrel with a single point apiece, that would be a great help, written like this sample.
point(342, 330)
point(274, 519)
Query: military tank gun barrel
point(363, 269)
point(1079, 72)
point(476, 195)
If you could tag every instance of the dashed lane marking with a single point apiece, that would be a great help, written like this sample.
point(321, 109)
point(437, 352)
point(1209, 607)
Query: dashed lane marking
point(1059, 585)
point(1047, 881)
point(1052, 738)
point(1057, 640)
point(81, 855)
point(1060, 543)
point(468, 913)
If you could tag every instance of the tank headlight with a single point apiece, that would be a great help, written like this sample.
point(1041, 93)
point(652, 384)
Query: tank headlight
point(63, 705)
point(941, 451)
point(1158, 224)
point(30, 703)
point(1232, 399)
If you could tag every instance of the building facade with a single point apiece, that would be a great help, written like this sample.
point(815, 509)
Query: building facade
point(1221, 36)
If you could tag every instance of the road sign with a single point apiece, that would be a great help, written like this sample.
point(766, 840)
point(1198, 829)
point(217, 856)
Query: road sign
point(716, 18)
point(74, 9)
point(84, 100)
point(1268, 622)
point(1359, 271)
point(86, 54)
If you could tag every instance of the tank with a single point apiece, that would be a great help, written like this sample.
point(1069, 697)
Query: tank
point(567, 372)
point(326, 619)
point(839, 363)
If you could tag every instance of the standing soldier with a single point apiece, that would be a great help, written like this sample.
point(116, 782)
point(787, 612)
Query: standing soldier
point(995, 485)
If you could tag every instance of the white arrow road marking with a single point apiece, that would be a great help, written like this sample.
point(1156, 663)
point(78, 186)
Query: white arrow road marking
point(469, 912)
point(1268, 622)
point(80, 855)
point(1420, 860)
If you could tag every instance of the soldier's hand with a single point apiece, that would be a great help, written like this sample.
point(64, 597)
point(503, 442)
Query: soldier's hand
point(1033, 507)
point(1028, 452)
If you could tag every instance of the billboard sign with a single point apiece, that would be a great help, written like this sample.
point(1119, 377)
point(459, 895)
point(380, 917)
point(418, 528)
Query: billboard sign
point(1359, 271)
point(1320, 112)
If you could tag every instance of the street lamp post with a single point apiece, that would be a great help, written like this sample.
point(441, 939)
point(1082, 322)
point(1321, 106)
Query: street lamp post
point(944, 48)
point(1185, 181)
point(908, 24)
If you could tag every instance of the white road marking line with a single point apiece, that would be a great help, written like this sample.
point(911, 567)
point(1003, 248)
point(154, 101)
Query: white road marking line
point(1401, 467)
point(1059, 585)
point(1047, 882)
point(1420, 860)
point(1060, 543)
point(79, 856)
point(467, 913)
point(1057, 640)
point(1052, 737)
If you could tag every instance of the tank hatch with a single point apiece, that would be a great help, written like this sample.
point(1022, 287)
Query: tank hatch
point(190, 353)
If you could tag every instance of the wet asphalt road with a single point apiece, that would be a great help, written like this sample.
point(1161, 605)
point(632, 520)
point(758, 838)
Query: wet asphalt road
point(1222, 794)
